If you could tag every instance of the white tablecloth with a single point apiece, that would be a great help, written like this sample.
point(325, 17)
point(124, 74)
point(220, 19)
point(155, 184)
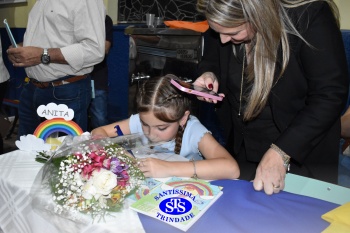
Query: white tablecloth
point(18, 170)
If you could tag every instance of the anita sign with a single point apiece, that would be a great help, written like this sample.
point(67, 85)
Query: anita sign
point(53, 110)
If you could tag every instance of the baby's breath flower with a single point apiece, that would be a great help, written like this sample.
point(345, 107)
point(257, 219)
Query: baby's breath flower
point(88, 182)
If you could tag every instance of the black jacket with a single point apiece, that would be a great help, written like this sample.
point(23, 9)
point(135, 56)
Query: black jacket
point(305, 104)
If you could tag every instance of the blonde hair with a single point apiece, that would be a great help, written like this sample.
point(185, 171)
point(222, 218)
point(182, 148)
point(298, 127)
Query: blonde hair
point(270, 21)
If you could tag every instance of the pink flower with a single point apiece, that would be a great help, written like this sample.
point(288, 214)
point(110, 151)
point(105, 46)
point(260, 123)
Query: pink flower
point(96, 163)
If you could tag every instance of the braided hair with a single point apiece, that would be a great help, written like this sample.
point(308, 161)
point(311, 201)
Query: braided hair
point(167, 103)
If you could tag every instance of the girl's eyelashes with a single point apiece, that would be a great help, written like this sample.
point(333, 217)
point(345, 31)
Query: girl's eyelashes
point(159, 128)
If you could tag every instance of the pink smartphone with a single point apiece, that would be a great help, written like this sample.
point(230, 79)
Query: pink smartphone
point(196, 90)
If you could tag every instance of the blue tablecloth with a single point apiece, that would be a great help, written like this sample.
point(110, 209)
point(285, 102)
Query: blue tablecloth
point(242, 209)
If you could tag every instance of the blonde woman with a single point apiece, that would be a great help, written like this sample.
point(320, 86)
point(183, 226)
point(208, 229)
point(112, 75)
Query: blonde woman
point(282, 67)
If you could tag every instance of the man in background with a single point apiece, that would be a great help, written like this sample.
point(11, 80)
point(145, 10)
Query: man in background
point(62, 43)
point(4, 77)
point(99, 103)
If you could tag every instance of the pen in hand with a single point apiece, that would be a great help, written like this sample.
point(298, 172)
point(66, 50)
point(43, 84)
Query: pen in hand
point(120, 133)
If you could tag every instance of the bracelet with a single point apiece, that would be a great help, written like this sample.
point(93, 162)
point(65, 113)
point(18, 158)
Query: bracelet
point(281, 152)
point(194, 168)
point(285, 157)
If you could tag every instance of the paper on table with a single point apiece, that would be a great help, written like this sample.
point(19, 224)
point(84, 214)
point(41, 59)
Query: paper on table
point(158, 153)
point(163, 156)
point(203, 195)
point(339, 219)
point(317, 189)
point(166, 156)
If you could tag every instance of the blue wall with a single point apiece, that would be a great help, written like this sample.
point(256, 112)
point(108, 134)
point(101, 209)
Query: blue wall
point(118, 63)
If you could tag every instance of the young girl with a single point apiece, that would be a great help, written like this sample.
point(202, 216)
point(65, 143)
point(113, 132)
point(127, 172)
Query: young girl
point(164, 115)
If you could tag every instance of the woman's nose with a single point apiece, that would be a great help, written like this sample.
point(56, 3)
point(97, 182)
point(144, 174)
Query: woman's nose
point(224, 38)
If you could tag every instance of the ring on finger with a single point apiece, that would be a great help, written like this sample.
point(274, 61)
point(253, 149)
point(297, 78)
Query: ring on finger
point(276, 187)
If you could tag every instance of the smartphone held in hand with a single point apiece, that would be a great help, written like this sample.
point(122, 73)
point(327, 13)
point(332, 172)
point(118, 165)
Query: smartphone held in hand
point(196, 90)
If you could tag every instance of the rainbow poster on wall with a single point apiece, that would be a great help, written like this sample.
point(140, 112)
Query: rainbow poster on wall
point(48, 127)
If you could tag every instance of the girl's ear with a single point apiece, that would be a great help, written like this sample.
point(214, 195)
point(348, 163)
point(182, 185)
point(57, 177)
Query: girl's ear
point(184, 118)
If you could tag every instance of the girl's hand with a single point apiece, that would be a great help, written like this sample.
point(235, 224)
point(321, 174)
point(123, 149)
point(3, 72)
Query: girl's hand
point(97, 136)
point(152, 167)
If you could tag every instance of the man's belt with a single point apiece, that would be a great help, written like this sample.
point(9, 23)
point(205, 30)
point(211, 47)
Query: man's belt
point(57, 82)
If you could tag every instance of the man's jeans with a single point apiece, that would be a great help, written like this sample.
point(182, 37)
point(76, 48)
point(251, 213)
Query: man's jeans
point(76, 96)
point(98, 109)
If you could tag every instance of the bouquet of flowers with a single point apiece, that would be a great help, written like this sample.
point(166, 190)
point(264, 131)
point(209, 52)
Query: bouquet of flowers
point(88, 176)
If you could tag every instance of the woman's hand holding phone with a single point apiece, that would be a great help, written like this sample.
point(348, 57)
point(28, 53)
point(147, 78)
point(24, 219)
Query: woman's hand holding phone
point(209, 81)
point(201, 92)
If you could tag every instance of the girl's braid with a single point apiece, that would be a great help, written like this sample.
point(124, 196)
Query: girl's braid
point(178, 138)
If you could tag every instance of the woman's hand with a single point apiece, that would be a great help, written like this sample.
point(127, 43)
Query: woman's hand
point(209, 81)
point(156, 168)
point(270, 173)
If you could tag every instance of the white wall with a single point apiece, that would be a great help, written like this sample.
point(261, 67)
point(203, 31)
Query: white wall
point(344, 9)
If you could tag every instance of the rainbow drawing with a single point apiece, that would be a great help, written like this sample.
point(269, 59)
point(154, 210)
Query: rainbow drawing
point(46, 128)
point(195, 187)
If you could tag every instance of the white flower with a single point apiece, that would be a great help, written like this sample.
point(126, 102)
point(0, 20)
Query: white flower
point(88, 190)
point(104, 181)
point(100, 183)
